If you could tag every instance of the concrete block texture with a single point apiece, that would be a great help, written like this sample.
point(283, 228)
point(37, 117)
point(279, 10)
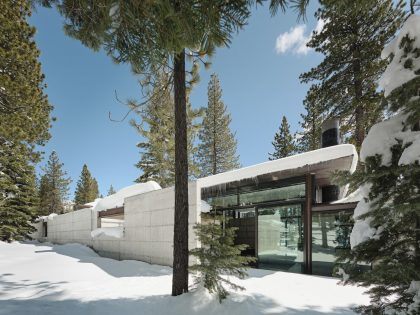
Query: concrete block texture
point(148, 227)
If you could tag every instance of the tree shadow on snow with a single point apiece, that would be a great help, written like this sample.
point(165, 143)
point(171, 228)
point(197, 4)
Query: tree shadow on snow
point(50, 300)
point(115, 268)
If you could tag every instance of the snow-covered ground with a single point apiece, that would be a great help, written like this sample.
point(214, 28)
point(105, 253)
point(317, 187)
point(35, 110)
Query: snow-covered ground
point(41, 278)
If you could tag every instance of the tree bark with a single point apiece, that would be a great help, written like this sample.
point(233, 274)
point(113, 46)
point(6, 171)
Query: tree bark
point(359, 110)
point(180, 261)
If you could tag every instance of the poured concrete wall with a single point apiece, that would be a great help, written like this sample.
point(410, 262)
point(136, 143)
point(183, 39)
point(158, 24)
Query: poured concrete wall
point(72, 227)
point(148, 227)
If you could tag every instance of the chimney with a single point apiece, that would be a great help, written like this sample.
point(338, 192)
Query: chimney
point(330, 133)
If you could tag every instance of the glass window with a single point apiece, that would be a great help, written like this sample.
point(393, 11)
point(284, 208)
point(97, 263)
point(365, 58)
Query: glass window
point(223, 201)
point(280, 237)
point(330, 235)
point(244, 221)
point(281, 193)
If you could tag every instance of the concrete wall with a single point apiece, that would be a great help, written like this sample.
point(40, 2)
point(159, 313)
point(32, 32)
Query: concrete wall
point(148, 227)
point(72, 227)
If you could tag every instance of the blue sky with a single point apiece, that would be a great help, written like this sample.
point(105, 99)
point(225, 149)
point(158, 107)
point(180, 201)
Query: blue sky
point(258, 73)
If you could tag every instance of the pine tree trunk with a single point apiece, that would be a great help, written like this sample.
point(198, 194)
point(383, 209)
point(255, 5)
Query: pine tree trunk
point(358, 93)
point(180, 261)
point(214, 170)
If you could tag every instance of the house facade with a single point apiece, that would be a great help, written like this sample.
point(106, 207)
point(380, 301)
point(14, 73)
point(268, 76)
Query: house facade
point(287, 211)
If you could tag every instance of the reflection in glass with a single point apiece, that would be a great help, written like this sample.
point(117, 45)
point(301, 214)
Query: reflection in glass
point(244, 221)
point(281, 193)
point(280, 237)
point(330, 235)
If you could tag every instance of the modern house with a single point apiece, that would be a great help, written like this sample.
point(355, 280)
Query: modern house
point(287, 211)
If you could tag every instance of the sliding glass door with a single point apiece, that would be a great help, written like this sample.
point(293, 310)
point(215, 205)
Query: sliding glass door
point(280, 237)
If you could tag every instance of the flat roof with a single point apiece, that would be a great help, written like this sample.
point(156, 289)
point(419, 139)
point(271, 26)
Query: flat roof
point(322, 162)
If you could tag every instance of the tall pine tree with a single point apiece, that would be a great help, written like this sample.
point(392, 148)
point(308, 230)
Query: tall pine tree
point(310, 137)
point(217, 148)
point(24, 119)
point(351, 41)
point(87, 189)
point(386, 233)
point(156, 126)
point(283, 143)
point(55, 178)
point(147, 35)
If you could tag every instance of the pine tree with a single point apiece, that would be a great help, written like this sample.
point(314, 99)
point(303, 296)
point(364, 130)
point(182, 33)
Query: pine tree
point(283, 142)
point(217, 148)
point(156, 126)
point(154, 34)
point(386, 233)
point(43, 195)
point(87, 188)
point(24, 119)
point(18, 199)
point(58, 186)
point(310, 137)
point(351, 41)
point(218, 257)
point(111, 191)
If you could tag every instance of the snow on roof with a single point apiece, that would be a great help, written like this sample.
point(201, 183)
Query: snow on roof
point(287, 163)
point(396, 74)
point(355, 196)
point(117, 200)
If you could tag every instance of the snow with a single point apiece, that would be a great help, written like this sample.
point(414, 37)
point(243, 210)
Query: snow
point(395, 74)
point(412, 153)
point(45, 279)
point(414, 289)
point(362, 231)
point(342, 273)
point(93, 203)
point(117, 232)
point(287, 163)
point(355, 196)
point(117, 200)
point(382, 136)
point(49, 217)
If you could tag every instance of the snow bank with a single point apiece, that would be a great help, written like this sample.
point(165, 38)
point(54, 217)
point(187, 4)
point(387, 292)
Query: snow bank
point(396, 74)
point(117, 232)
point(45, 279)
point(117, 200)
point(287, 163)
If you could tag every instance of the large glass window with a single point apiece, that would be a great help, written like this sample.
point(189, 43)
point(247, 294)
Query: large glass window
point(249, 196)
point(330, 235)
point(280, 237)
point(223, 201)
point(244, 221)
point(281, 193)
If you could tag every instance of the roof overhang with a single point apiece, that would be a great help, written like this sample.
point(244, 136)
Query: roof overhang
point(320, 162)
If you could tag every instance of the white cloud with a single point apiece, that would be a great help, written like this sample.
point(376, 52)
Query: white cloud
point(295, 39)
